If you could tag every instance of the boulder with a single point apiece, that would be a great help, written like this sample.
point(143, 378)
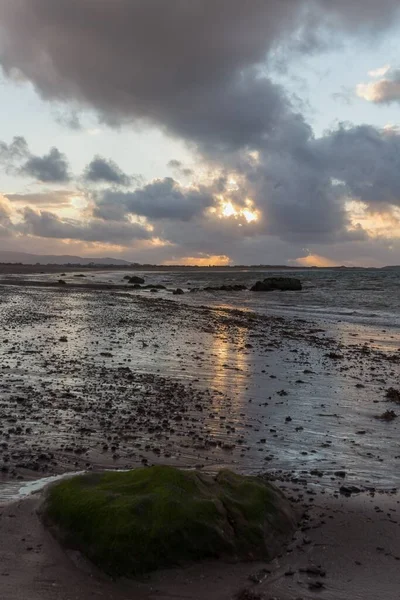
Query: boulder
point(178, 292)
point(135, 279)
point(290, 284)
point(129, 523)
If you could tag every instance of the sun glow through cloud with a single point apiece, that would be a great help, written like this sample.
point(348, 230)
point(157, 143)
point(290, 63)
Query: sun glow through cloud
point(227, 209)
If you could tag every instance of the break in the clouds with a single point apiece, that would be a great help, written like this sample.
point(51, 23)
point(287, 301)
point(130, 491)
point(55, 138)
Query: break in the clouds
point(385, 90)
point(200, 71)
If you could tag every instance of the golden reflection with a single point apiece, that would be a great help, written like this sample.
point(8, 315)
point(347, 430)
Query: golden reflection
point(230, 361)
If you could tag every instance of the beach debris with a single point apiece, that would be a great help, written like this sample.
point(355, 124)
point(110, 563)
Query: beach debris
point(334, 355)
point(313, 571)
point(348, 490)
point(393, 395)
point(388, 415)
point(249, 595)
point(135, 279)
point(259, 576)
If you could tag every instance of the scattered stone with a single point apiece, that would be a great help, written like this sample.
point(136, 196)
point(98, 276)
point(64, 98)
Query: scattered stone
point(277, 283)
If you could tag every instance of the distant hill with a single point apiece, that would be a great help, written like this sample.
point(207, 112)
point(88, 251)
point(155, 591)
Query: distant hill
point(33, 259)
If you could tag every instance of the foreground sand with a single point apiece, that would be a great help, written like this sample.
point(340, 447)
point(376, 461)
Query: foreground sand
point(355, 541)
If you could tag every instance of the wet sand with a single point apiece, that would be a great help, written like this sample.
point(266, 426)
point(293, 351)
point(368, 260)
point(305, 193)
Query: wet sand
point(347, 548)
point(94, 379)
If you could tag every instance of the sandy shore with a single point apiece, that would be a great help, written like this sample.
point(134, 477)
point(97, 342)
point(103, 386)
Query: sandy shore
point(97, 379)
point(346, 548)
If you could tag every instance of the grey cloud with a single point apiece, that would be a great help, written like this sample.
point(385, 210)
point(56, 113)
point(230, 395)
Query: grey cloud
point(102, 170)
point(179, 168)
point(365, 159)
point(198, 83)
point(48, 225)
point(14, 152)
point(69, 119)
point(162, 199)
point(50, 168)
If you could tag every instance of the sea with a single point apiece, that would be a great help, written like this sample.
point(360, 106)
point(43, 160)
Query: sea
point(363, 296)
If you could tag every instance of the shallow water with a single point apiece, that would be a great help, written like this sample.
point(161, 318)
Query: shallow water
point(364, 296)
point(327, 411)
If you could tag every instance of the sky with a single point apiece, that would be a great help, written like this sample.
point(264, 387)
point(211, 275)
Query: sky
point(223, 132)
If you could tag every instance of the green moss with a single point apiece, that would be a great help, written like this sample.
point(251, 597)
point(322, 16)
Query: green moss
point(137, 521)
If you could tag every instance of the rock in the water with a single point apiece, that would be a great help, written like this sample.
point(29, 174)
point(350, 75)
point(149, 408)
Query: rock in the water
point(226, 288)
point(178, 292)
point(136, 279)
point(270, 284)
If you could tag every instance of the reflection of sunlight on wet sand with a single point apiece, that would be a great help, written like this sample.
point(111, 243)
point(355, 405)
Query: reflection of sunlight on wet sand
point(229, 364)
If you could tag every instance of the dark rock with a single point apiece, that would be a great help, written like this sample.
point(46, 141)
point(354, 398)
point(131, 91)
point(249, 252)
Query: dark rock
point(277, 283)
point(226, 288)
point(393, 395)
point(135, 279)
point(178, 292)
point(62, 282)
point(348, 490)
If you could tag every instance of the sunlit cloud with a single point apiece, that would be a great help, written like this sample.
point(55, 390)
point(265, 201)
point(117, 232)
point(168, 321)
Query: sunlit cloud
point(383, 90)
point(314, 260)
point(201, 261)
point(227, 209)
point(380, 72)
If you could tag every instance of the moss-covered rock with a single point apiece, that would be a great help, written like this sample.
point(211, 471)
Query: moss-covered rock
point(137, 521)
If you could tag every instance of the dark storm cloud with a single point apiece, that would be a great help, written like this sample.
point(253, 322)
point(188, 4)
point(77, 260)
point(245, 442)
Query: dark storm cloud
point(102, 170)
point(50, 168)
point(180, 64)
point(162, 199)
point(48, 225)
point(365, 159)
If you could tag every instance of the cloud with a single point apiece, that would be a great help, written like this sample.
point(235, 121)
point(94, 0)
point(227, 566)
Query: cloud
point(50, 168)
point(365, 159)
point(207, 84)
point(383, 91)
point(11, 153)
point(48, 225)
point(161, 199)
point(54, 198)
point(380, 71)
point(102, 170)
point(18, 159)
